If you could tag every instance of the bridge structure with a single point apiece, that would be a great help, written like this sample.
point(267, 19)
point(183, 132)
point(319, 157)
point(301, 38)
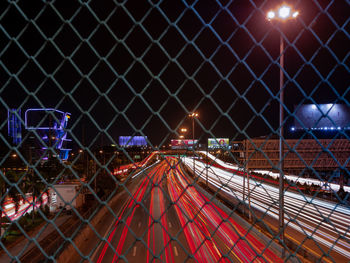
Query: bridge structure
point(327, 157)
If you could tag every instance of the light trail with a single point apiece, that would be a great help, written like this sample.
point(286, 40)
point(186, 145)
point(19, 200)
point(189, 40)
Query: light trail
point(197, 212)
point(304, 214)
point(130, 205)
point(211, 235)
point(25, 206)
point(293, 178)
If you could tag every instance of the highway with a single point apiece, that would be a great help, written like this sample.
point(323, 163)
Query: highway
point(166, 218)
point(326, 223)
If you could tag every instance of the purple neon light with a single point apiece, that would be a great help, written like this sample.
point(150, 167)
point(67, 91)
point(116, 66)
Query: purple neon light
point(44, 128)
point(60, 134)
point(133, 140)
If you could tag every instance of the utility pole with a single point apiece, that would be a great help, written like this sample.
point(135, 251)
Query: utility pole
point(193, 116)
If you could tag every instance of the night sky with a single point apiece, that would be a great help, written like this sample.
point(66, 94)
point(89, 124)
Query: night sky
point(140, 67)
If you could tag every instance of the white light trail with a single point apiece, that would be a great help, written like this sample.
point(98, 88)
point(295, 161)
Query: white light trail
point(309, 213)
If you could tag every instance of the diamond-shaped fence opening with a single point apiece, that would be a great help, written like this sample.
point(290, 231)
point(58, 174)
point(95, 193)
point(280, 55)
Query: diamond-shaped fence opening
point(173, 131)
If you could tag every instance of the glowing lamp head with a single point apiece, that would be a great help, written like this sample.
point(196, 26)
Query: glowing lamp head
point(284, 12)
point(271, 15)
point(295, 14)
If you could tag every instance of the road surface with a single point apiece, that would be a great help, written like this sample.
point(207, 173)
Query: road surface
point(167, 219)
point(321, 227)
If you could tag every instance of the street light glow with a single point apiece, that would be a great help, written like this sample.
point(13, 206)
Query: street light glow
point(284, 12)
point(295, 14)
point(271, 15)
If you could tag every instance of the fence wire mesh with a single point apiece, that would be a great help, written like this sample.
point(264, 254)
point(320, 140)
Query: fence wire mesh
point(174, 131)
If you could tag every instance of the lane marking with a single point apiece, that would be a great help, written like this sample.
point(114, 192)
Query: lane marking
point(134, 251)
point(139, 225)
point(170, 224)
point(175, 251)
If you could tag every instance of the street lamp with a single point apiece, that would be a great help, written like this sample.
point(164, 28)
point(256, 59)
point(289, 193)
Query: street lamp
point(193, 116)
point(281, 14)
point(183, 130)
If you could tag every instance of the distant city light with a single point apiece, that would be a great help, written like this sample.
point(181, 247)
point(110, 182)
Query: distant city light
point(293, 128)
point(332, 128)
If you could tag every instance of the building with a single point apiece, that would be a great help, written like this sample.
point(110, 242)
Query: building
point(132, 141)
point(66, 195)
point(48, 131)
point(325, 156)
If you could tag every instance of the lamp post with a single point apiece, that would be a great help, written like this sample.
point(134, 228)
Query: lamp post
point(182, 130)
point(193, 116)
point(281, 14)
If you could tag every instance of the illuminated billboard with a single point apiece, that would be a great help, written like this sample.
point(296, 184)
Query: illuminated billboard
point(322, 117)
point(182, 144)
point(218, 143)
point(43, 119)
point(133, 141)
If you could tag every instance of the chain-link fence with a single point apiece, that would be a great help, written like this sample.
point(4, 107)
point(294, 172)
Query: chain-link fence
point(171, 131)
